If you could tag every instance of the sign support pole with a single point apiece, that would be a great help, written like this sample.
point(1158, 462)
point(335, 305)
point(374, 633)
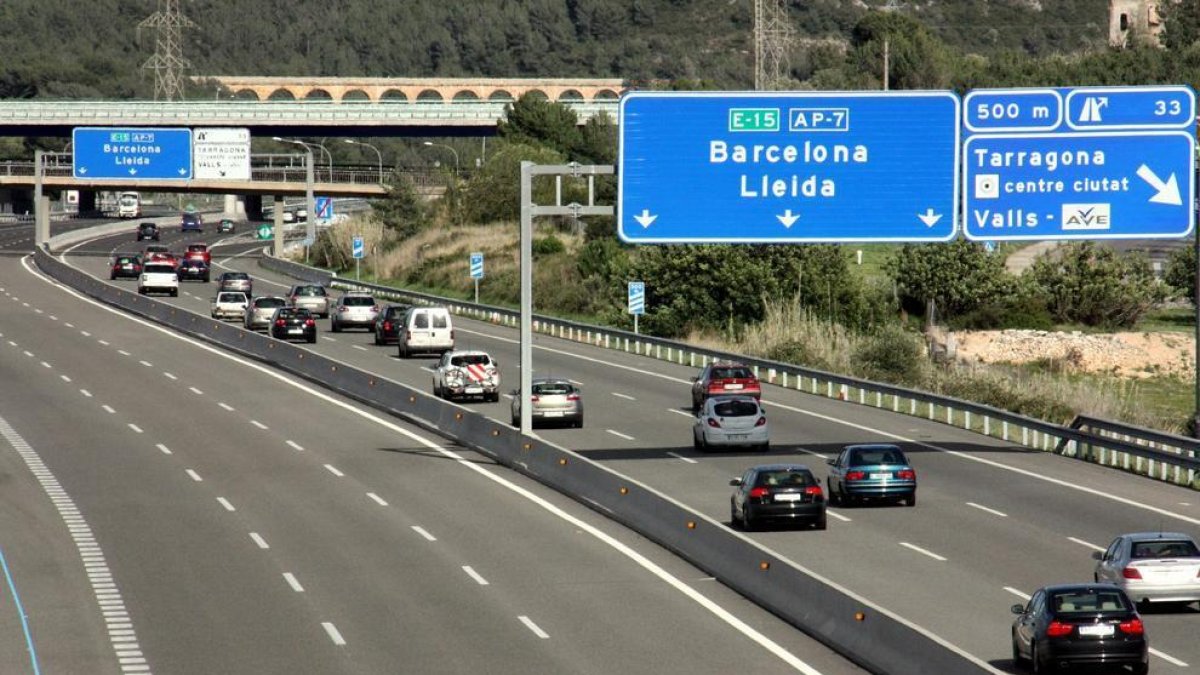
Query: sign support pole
point(40, 235)
point(357, 266)
point(278, 218)
point(477, 291)
point(635, 324)
point(526, 296)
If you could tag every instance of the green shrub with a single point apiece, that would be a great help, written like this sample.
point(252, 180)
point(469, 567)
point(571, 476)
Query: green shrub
point(548, 245)
point(891, 354)
point(1029, 313)
point(797, 353)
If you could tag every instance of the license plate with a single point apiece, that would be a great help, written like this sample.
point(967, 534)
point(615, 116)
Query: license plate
point(552, 413)
point(737, 437)
point(880, 476)
point(1098, 630)
point(789, 497)
point(295, 331)
point(474, 390)
point(733, 386)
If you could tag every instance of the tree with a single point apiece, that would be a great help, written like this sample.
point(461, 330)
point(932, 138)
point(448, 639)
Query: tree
point(1093, 285)
point(917, 59)
point(1181, 23)
point(535, 121)
point(493, 193)
point(1181, 271)
point(959, 276)
point(403, 210)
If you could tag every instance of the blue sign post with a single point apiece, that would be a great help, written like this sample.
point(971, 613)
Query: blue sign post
point(1087, 163)
point(477, 271)
point(637, 301)
point(358, 249)
point(105, 153)
point(788, 167)
point(324, 208)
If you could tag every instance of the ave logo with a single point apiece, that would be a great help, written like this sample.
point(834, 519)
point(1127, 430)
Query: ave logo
point(1086, 216)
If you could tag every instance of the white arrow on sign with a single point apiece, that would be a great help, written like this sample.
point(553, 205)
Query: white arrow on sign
point(787, 218)
point(644, 218)
point(1168, 192)
point(182, 172)
point(929, 217)
point(83, 170)
point(133, 172)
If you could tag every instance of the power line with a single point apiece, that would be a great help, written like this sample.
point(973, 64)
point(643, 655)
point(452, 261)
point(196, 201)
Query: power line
point(167, 62)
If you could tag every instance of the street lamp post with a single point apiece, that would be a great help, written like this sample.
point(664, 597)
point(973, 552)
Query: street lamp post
point(377, 154)
point(310, 229)
point(455, 152)
point(328, 158)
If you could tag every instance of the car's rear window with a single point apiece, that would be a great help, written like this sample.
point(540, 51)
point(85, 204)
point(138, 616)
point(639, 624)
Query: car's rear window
point(269, 302)
point(785, 478)
point(470, 359)
point(311, 290)
point(735, 409)
point(197, 248)
point(237, 276)
point(1165, 548)
point(358, 301)
point(881, 456)
point(158, 269)
point(1082, 602)
point(553, 389)
point(231, 297)
point(440, 321)
point(126, 259)
point(731, 373)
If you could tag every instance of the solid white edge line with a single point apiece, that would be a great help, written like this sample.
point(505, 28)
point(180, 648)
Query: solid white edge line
point(534, 627)
point(475, 575)
point(423, 532)
point(923, 551)
point(985, 509)
point(689, 460)
point(1169, 659)
point(1086, 544)
point(333, 633)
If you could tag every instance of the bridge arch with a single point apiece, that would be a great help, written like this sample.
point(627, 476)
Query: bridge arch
point(393, 96)
point(317, 94)
point(430, 96)
point(282, 94)
point(246, 95)
point(606, 95)
point(570, 95)
point(500, 95)
point(537, 94)
point(465, 96)
point(356, 96)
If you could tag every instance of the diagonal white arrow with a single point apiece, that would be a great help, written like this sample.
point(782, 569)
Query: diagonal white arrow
point(787, 218)
point(929, 217)
point(1167, 193)
point(645, 218)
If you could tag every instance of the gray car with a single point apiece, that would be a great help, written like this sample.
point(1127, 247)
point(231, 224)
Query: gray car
point(313, 297)
point(235, 281)
point(1152, 566)
point(552, 400)
point(259, 312)
point(357, 310)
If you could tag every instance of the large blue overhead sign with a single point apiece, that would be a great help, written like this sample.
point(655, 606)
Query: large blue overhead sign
point(112, 153)
point(1085, 163)
point(788, 167)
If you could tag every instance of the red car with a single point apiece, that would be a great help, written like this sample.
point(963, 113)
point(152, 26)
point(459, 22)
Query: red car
point(198, 251)
point(724, 377)
point(156, 256)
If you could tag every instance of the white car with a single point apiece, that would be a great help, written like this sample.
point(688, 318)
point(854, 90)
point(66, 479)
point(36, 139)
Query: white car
point(158, 277)
point(229, 305)
point(1152, 566)
point(731, 421)
point(467, 373)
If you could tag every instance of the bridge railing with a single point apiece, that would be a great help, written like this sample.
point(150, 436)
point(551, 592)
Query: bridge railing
point(339, 175)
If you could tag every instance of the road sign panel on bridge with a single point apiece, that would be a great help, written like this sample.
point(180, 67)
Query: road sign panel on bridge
point(105, 153)
point(221, 154)
point(707, 167)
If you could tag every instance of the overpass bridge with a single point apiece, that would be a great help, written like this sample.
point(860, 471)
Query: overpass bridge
point(420, 90)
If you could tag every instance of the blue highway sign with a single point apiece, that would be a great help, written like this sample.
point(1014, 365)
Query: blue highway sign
point(776, 167)
point(113, 153)
point(1117, 185)
point(357, 248)
point(637, 297)
point(477, 265)
point(1112, 108)
point(324, 207)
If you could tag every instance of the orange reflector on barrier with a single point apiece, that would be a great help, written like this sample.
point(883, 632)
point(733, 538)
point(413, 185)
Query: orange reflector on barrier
point(764, 565)
point(860, 616)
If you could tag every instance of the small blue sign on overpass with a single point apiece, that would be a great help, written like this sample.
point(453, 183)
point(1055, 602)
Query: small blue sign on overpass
point(105, 153)
point(700, 167)
point(1084, 163)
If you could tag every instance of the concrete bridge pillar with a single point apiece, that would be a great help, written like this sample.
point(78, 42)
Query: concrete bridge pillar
point(252, 206)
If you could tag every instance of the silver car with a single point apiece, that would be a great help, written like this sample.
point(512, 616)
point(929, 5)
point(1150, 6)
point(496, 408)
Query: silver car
point(312, 297)
point(357, 310)
point(1152, 566)
point(551, 400)
point(725, 421)
point(236, 281)
point(259, 312)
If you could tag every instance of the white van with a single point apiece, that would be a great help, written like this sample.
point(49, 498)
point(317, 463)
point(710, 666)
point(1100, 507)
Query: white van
point(426, 329)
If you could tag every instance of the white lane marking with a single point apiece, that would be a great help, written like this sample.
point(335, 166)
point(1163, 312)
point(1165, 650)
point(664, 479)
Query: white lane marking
point(835, 514)
point(195, 476)
point(533, 627)
point(689, 460)
point(24, 303)
point(1018, 593)
point(326, 337)
point(708, 604)
point(619, 435)
point(627, 397)
point(922, 551)
point(333, 470)
point(421, 531)
point(147, 364)
point(475, 575)
point(46, 365)
point(1169, 659)
point(39, 311)
point(69, 325)
point(84, 333)
point(985, 509)
point(1086, 544)
point(196, 391)
point(377, 498)
point(12, 343)
point(295, 446)
point(428, 369)
point(291, 580)
point(86, 393)
point(681, 412)
point(28, 353)
point(577, 383)
point(53, 318)
point(361, 348)
point(333, 633)
point(122, 352)
point(259, 541)
point(169, 376)
point(165, 449)
point(136, 428)
point(258, 424)
point(108, 409)
point(225, 406)
point(65, 378)
point(225, 503)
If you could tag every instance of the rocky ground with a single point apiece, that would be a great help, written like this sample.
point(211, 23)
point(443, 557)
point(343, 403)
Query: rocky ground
point(1134, 355)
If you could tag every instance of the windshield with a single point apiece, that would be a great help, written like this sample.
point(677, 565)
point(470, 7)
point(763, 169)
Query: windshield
point(553, 389)
point(785, 478)
point(877, 456)
point(310, 290)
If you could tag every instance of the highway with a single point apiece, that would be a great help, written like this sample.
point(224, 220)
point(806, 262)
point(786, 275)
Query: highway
point(168, 507)
point(994, 521)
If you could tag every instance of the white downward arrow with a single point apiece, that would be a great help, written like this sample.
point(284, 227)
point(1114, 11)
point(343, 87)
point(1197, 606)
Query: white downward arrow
point(83, 170)
point(788, 218)
point(644, 218)
point(133, 172)
point(1168, 192)
point(929, 217)
point(183, 172)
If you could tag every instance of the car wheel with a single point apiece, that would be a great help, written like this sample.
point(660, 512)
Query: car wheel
point(516, 421)
point(733, 519)
point(312, 340)
point(579, 423)
point(820, 524)
point(335, 327)
point(1035, 660)
point(377, 340)
point(911, 500)
point(748, 522)
point(112, 277)
point(1017, 659)
point(834, 498)
point(174, 292)
point(1141, 668)
point(765, 447)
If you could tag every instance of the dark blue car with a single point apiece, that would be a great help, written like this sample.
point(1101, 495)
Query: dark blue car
point(192, 222)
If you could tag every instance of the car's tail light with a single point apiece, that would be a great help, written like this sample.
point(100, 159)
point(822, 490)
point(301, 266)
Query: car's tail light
point(1132, 627)
point(1131, 573)
point(814, 490)
point(759, 492)
point(309, 322)
point(855, 475)
point(714, 423)
point(572, 397)
point(280, 322)
point(375, 308)
point(1059, 629)
point(906, 474)
point(387, 325)
point(533, 398)
point(761, 421)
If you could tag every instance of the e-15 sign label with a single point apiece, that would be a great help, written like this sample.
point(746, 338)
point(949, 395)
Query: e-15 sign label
point(754, 119)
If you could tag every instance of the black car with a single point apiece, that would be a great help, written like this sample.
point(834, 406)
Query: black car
point(147, 231)
point(294, 323)
point(193, 269)
point(777, 492)
point(388, 324)
point(126, 267)
point(226, 225)
point(1079, 625)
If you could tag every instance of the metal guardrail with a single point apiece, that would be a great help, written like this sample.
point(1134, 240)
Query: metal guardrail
point(866, 634)
point(1166, 462)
